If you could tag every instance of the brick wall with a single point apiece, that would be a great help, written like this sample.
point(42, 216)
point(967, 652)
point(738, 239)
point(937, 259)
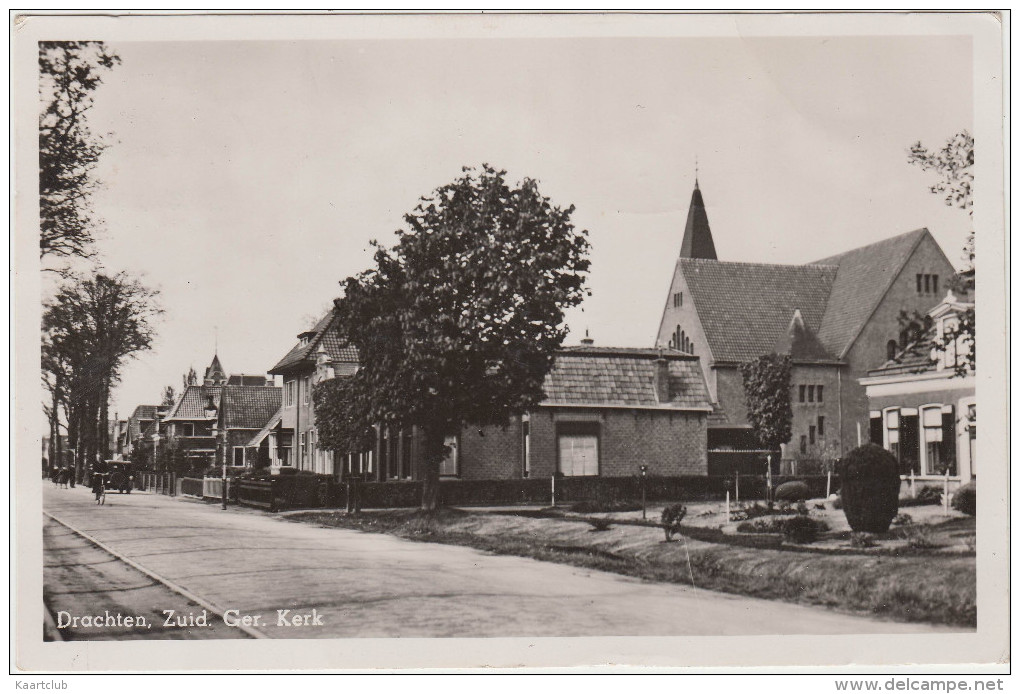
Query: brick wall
point(806, 414)
point(670, 443)
point(869, 350)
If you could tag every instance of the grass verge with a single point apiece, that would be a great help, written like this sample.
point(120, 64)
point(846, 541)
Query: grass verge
point(914, 588)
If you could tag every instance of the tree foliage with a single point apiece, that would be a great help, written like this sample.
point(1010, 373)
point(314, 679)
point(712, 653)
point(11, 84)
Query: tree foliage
point(69, 73)
point(767, 394)
point(91, 327)
point(954, 165)
point(458, 323)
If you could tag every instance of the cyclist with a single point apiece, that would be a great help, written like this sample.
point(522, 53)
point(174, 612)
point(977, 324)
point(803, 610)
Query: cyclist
point(99, 482)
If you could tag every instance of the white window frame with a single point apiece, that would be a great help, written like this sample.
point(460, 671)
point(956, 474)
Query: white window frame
point(454, 443)
point(591, 469)
point(233, 457)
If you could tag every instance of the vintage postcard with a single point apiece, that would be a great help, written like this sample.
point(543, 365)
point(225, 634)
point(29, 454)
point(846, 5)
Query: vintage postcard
point(520, 340)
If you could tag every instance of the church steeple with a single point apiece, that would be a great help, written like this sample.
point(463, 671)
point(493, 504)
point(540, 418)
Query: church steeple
point(697, 241)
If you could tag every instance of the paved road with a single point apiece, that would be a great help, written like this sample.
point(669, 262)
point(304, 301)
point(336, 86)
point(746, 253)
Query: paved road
point(371, 585)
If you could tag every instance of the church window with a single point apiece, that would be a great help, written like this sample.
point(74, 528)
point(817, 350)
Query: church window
point(920, 280)
point(935, 284)
point(818, 393)
point(810, 393)
point(802, 390)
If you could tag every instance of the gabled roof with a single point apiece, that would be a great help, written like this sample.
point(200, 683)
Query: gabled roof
point(612, 377)
point(865, 275)
point(191, 404)
point(697, 241)
point(145, 413)
point(801, 343)
point(326, 334)
point(273, 422)
point(916, 358)
point(744, 308)
point(249, 407)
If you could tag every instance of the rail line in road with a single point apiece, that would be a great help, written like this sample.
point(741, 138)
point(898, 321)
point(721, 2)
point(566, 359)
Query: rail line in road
point(167, 583)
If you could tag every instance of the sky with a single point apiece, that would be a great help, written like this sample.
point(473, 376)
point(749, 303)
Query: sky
point(245, 180)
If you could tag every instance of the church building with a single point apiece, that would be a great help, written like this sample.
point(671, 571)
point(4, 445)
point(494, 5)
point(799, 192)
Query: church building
point(836, 317)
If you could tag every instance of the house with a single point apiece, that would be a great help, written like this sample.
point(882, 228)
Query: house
point(195, 422)
point(320, 353)
point(244, 410)
point(837, 318)
point(922, 407)
point(134, 432)
point(606, 412)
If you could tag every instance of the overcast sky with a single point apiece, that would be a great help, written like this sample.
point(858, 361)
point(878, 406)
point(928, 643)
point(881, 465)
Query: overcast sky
point(246, 179)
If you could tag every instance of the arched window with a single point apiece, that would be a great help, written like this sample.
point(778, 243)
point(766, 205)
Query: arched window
point(683, 341)
point(890, 350)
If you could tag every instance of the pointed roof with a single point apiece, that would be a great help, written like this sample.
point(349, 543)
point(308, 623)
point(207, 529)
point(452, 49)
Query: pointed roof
point(801, 343)
point(215, 370)
point(325, 334)
point(863, 278)
point(697, 241)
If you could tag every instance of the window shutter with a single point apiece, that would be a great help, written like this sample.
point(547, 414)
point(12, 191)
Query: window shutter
point(948, 452)
point(876, 431)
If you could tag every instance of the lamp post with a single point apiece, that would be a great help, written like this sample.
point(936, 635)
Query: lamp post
point(644, 473)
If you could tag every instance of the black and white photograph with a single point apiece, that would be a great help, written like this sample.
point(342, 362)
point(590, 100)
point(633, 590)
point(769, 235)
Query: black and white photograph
point(464, 341)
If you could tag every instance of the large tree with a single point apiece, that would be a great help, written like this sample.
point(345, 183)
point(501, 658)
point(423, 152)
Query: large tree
point(457, 324)
point(69, 73)
point(90, 328)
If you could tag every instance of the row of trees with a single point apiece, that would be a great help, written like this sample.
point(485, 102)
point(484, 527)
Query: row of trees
point(95, 320)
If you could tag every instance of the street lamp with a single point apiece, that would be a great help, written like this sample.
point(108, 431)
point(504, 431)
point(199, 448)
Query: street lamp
point(644, 473)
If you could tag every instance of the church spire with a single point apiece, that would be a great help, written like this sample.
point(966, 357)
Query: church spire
point(697, 241)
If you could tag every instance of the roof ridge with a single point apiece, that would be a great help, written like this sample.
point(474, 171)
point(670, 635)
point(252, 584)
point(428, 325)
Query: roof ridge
point(919, 231)
point(893, 276)
point(750, 264)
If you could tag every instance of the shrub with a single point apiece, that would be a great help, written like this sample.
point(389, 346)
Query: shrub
point(837, 503)
point(862, 540)
point(870, 488)
point(965, 499)
point(599, 524)
point(671, 517)
point(920, 537)
point(903, 519)
point(793, 491)
point(802, 530)
point(762, 525)
point(929, 495)
point(601, 506)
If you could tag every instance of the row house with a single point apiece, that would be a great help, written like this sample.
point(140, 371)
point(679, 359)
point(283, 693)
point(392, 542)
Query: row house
point(290, 437)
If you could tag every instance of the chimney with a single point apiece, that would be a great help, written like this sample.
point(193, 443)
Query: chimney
point(662, 393)
point(587, 341)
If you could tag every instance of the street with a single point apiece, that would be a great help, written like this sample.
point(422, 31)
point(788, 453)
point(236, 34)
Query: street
point(281, 579)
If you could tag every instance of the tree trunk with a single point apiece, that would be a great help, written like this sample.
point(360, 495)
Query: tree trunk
point(432, 456)
point(104, 421)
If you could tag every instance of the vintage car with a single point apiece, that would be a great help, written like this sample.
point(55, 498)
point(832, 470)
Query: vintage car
point(120, 476)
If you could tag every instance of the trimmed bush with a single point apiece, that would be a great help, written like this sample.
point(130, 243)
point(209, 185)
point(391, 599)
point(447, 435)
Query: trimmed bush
point(965, 499)
point(862, 540)
point(926, 496)
point(903, 519)
point(762, 525)
point(803, 530)
point(793, 491)
point(870, 488)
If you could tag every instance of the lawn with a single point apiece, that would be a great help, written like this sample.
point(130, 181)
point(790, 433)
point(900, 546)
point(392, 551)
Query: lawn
point(890, 580)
